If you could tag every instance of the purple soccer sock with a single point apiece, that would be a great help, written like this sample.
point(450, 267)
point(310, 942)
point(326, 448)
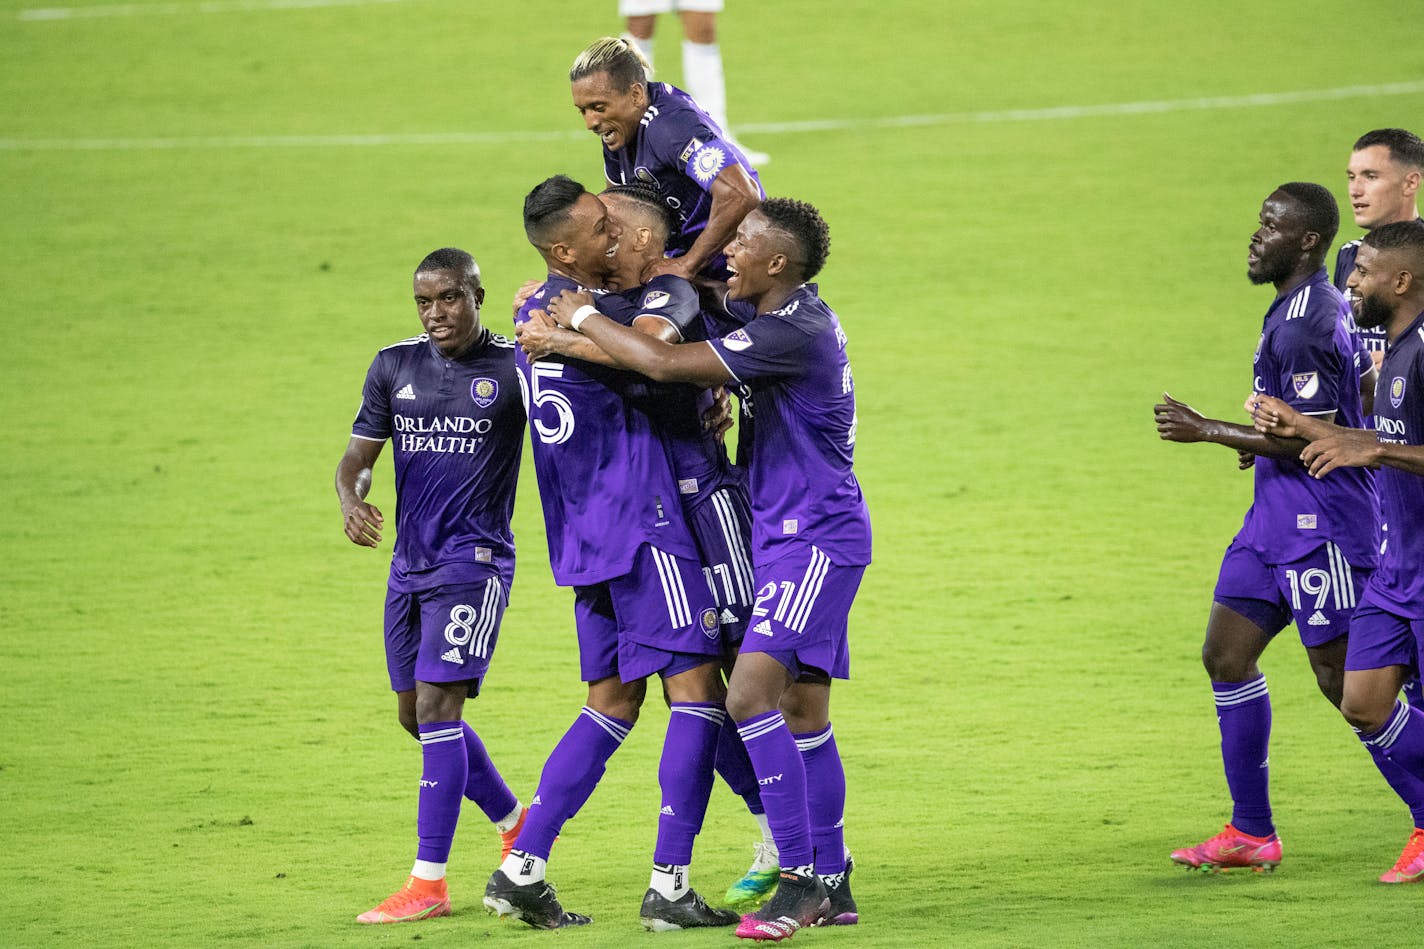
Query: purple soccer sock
point(825, 798)
point(442, 786)
point(1243, 711)
point(782, 777)
point(736, 769)
point(569, 777)
point(1401, 739)
point(685, 777)
point(1409, 788)
point(485, 786)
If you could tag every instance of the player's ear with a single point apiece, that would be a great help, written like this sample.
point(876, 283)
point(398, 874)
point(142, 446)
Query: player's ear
point(479, 296)
point(561, 252)
point(1310, 240)
point(776, 265)
point(1411, 183)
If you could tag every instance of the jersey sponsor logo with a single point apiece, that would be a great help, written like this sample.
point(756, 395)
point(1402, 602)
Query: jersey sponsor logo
point(452, 655)
point(692, 146)
point(1317, 619)
point(647, 177)
point(1307, 384)
point(484, 391)
point(1305, 522)
point(656, 300)
point(1396, 391)
point(737, 340)
point(1389, 426)
point(764, 627)
point(407, 391)
point(728, 617)
point(708, 162)
point(709, 623)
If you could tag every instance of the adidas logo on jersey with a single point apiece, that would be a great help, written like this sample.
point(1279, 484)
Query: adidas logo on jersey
point(452, 655)
point(407, 391)
point(1318, 619)
point(764, 627)
point(727, 617)
point(536, 802)
point(667, 809)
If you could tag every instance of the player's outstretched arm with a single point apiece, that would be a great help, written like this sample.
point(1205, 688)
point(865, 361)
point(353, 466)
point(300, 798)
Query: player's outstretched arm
point(655, 358)
point(1178, 422)
point(1358, 448)
point(734, 196)
point(540, 336)
point(361, 521)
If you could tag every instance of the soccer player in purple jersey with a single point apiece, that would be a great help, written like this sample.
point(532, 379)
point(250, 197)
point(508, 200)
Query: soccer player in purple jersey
point(1387, 629)
point(641, 606)
point(711, 489)
point(448, 400)
point(1384, 172)
point(655, 134)
point(1306, 546)
point(811, 537)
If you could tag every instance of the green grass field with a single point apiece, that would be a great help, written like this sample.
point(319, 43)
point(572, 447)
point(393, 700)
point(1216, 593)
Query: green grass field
point(208, 216)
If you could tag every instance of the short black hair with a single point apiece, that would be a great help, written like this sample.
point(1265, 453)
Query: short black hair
point(1319, 212)
point(1407, 236)
point(648, 198)
point(452, 258)
point(547, 207)
point(1404, 146)
point(804, 225)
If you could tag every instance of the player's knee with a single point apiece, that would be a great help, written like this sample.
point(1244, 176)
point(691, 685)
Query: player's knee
point(1364, 712)
point(1332, 683)
point(1225, 665)
point(408, 721)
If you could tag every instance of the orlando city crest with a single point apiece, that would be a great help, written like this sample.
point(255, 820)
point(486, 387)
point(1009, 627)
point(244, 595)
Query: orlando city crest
point(1396, 391)
point(710, 626)
point(484, 391)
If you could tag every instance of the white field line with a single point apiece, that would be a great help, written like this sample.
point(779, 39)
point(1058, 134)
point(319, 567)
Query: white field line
point(1204, 103)
point(40, 14)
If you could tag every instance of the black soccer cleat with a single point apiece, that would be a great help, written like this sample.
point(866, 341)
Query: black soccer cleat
point(842, 911)
point(532, 903)
point(799, 901)
point(660, 914)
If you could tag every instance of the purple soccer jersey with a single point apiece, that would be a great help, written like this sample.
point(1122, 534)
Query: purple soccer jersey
point(1374, 338)
point(699, 460)
point(803, 399)
point(1399, 418)
point(457, 429)
point(1308, 357)
point(678, 151)
point(605, 481)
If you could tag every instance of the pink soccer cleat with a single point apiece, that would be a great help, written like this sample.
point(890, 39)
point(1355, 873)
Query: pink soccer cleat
point(1230, 849)
point(1409, 868)
point(418, 899)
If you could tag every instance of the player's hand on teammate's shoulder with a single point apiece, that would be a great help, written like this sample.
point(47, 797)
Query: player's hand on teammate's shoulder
point(666, 265)
point(563, 306)
point(1177, 421)
point(526, 290)
point(363, 523)
point(718, 417)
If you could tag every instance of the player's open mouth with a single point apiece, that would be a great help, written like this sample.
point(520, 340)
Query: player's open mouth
point(608, 136)
point(611, 251)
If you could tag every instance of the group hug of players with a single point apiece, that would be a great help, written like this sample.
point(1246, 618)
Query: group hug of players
point(730, 582)
point(1334, 538)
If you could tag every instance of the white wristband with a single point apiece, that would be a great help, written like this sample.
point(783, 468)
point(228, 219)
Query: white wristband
point(581, 314)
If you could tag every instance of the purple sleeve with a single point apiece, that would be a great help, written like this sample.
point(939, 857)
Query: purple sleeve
point(767, 347)
point(374, 419)
point(1310, 366)
point(681, 140)
point(671, 298)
